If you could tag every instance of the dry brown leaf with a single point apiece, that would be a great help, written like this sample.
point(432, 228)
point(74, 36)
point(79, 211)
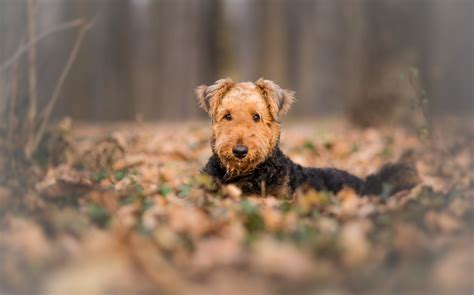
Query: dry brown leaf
point(26, 237)
point(281, 260)
point(129, 161)
point(103, 268)
point(350, 202)
point(409, 239)
point(442, 222)
point(174, 232)
point(453, 273)
point(356, 246)
point(232, 191)
point(215, 252)
point(189, 220)
point(5, 196)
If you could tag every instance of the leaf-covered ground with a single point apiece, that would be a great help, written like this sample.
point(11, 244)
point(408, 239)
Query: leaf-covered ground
point(122, 209)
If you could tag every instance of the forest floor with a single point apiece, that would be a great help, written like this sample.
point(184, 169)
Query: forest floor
point(123, 209)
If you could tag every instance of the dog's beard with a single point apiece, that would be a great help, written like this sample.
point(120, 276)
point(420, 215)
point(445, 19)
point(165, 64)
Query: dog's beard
point(257, 154)
point(235, 167)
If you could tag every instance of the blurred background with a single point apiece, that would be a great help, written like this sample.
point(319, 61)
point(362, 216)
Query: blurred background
point(125, 199)
point(143, 58)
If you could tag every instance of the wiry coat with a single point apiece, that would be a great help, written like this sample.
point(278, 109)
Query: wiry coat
point(279, 176)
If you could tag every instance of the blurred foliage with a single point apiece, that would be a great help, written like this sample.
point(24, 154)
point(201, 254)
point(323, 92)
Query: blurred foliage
point(149, 221)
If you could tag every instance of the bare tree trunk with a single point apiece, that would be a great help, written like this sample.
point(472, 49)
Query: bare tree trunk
point(391, 45)
point(274, 44)
point(448, 68)
point(305, 59)
point(329, 54)
point(244, 18)
point(116, 101)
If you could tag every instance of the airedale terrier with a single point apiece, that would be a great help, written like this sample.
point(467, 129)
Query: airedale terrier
point(245, 145)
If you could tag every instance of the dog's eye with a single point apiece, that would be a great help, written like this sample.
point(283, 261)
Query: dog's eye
point(228, 117)
point(256, 117)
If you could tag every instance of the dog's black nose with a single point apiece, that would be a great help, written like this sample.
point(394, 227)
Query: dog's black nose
point(240, 151)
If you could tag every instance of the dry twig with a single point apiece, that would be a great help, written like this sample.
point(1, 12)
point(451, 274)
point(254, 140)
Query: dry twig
point(34, 141)
point(32, 107)
point(23, 49)
point(13, 93)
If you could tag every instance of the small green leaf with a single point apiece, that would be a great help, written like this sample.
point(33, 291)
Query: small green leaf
point(254, 223)
point(148, 203)
point(99, 176)
point(303, 233)
point(424, 133)
point(119, 175)
point(253, 220)
point(164, 189)
point(204, 181)
point(127, 201)
point(386, 152)
point(184, 190)
point(98, 215)
point(308, 144)
point(247, 207)
point(286, 206)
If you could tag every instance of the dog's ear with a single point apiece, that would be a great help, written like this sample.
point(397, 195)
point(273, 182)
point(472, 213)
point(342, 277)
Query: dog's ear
point(209, 97)
point(279, 100)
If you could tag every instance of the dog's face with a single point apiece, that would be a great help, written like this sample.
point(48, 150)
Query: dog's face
point(245, 127)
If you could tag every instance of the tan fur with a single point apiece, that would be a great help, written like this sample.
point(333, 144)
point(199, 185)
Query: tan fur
point(209, 96)
point(279, 100)
point(242, 101)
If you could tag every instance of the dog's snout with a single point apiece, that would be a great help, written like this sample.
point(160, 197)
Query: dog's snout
point(240, 151)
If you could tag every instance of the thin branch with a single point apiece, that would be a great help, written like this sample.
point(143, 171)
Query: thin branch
point(23, 49)
point(13, 92)
point(31, 115)
point(3, 102)
point(32, 145)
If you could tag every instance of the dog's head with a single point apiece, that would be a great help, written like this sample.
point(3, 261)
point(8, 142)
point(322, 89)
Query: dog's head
point(245, 126)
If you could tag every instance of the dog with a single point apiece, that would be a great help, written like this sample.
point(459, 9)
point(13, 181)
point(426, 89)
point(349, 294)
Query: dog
point(245, 146)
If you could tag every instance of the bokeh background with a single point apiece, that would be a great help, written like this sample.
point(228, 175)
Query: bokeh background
point(143, 58)
point(125, 199)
